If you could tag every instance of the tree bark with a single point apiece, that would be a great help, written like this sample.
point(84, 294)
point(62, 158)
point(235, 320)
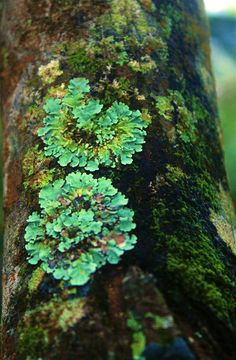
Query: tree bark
point(173, 295)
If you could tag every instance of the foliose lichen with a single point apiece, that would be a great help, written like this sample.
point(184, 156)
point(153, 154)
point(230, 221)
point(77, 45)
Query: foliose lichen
point(78, 132)
point(83, 224)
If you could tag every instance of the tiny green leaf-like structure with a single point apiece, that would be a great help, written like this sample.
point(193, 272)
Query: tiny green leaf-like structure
point(79, 132)
point(83, 224)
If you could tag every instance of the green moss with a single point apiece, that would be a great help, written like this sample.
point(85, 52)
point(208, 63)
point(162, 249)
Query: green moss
point(33, 114)
point(58, 314)
point(208, 190)
point(145, 65)
point(4, 57)
point(193, 264)
point(32, 342)
point(191, 254)
point(95, 56)
point(165, 107)
point(138, 337)
point(173, 108)
point(57, 91)
point(35, 169)
point(36, 279)
point(148, 5)
point(71, 313)
point(79, 60)
point(35, 326)
point(120, 89)
point(201, 272)
point(30, 158)
point(135, 44)
point(124, 16)
point(174, 174)
point(23, 270)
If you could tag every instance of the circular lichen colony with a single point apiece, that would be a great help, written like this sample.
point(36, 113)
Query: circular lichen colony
point(79, 132)
point(83, 224)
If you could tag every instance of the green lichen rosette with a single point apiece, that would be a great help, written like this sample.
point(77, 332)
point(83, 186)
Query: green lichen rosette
point(79, 132)
point(84, 223)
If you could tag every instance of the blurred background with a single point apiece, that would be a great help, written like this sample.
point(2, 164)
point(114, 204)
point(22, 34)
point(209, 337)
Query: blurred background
point(222, 17)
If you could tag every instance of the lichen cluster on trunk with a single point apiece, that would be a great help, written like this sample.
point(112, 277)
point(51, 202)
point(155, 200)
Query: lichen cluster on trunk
point(173, 295)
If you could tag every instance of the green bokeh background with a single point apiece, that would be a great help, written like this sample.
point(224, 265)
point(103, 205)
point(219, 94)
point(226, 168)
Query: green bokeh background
point(223, 41)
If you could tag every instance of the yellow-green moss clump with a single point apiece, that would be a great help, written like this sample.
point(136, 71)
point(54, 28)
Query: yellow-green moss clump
point(35, 169)
point(50, 72)
point(36, 279)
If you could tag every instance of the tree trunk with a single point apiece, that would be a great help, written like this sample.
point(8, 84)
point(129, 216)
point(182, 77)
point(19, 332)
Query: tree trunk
point(172, 296)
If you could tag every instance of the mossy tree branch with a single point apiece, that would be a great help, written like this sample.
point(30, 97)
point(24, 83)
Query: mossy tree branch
point(173, 295)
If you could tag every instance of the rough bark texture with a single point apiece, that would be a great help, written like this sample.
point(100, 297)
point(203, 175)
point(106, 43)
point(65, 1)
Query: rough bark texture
point(173, 296)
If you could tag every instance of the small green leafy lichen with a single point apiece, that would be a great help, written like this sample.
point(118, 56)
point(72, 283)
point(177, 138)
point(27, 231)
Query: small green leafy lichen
point(83, 224)
point(78, 132)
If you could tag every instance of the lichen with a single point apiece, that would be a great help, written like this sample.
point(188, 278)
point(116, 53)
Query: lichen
point(80, 133)
point(188, 256)
point(228, 210)
point(82, 225)
point(224, 229)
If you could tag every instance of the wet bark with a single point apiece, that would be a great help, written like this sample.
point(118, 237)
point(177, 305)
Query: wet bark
point(173, 295)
